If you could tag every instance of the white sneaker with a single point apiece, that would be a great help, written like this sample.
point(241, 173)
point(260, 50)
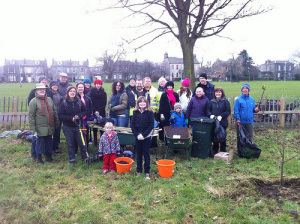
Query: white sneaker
point(147, 176)
point(138, 174)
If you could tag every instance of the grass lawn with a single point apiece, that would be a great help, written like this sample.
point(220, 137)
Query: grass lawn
point(200, 191)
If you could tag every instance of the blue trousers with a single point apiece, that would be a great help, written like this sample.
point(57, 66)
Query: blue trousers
point(73, 139)
point(44, 145)
point(33, 145)
point(143, 149)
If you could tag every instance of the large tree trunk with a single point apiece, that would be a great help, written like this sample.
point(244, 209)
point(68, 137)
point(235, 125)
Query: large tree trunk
point(187, 46)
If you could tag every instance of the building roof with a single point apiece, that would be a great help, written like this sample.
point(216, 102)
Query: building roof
point(174, 60)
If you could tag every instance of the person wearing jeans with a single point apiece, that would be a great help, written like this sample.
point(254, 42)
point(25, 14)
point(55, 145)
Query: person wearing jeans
point(117, 103)
point(142, 124)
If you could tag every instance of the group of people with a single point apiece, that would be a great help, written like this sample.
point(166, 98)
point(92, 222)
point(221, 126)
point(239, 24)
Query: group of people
point(140, 106)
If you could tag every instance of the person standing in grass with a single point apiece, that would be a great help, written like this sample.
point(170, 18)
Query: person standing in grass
point(244, 109)
point(219, 107)
point(109, 147)
point(42, 119)
point(142, 124)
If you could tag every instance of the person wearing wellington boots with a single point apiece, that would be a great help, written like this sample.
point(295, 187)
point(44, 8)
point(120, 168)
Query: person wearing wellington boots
point(219, 107)
point(142, 124)
point(244, 109)
point(43, 120)
point(166, 105)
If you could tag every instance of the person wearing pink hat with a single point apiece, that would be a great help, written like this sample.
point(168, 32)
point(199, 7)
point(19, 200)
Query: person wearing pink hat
point(185, 94)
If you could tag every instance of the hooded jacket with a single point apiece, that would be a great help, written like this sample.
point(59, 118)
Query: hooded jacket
point(244, 109)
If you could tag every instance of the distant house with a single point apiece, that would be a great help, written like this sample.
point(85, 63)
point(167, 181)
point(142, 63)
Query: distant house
point(277, 70)
point(219, 70)
point(174, 67)
point(1, 74)
point(76, 70)
point(27, 70)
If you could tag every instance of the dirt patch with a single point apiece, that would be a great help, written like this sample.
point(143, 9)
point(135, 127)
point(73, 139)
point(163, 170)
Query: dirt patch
point(123, 162)
point(289, 190)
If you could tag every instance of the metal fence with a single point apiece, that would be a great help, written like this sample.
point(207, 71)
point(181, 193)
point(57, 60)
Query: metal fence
point(275, 111)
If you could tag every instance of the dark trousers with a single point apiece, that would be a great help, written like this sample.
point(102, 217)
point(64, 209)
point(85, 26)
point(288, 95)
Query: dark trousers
point(56, 138)
point(44, 145)
point(73, 139)
point(33, 146)
point(143, 149)
point(109, 161)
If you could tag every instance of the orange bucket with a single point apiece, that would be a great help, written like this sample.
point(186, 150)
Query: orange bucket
point(165, 167)
point(123, 168)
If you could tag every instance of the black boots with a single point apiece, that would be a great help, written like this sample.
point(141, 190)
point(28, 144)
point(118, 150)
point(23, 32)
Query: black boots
point(49, 158)
point(40, 160)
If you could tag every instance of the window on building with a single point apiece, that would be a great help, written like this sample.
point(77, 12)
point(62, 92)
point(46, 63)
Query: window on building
point(120, 76)
point(106, 77)
point(279, 67)
point(176, 66)
point(37, 62)
point(74, 70)
point(177, 75)
point(172, 74)
point(172, 66)
point(59, 62)
point(81, 69)
point(290, 67)
point(68, 70)
point(115, 77)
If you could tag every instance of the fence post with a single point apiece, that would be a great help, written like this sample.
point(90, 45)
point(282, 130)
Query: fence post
point(15, 110)
point(282, 109)
point(229, 117)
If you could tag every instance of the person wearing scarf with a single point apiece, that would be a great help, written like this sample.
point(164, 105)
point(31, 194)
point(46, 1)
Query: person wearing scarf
point(166, 106)
point(117, 103)
point(43, 120)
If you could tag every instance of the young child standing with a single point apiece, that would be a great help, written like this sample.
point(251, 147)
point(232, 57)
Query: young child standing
point(109, 147)
point(177, 118)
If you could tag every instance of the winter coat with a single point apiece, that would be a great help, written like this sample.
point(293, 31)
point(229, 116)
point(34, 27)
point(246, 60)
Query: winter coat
point(32, 94)
point(123, 102)
point(142, 123)
point(62, 88)
point(184, 100)
point(99, 100)
point(89, 107)
point(108, 147)
point(68, 109)
point(165, 105)
point(39, 122)
point(244, 109)
point(208, 90)
point(178, 121)
point(197, 107)
point(57, 99)
point(220, 108)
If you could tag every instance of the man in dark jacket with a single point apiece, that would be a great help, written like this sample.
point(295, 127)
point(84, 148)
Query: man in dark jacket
point(63, 84)
point(43, 80)
point(207, 87)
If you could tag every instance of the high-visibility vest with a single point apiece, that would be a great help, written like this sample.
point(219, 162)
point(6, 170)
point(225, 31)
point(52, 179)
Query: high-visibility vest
point(135, 99)
point(154, 98)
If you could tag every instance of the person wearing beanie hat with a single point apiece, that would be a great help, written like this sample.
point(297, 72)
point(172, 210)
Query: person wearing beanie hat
point(43, 80)
point(207, 87)
point(185, 94)
point(244, 109)
point(87, 86)
point(166, 104)
point(99, 100)
point(177, 118)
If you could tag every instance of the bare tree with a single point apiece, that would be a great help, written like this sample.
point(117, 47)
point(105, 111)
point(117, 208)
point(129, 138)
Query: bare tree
point(186, 20)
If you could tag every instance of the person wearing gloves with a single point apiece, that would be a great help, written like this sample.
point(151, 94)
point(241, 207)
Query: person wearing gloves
point(87, 86)
point(109, 147)
point(43, 120)
point(71, 110)
point(244, 109)
point(142, 124)
point(166, 105)
point(177, 118)
point(219, 107)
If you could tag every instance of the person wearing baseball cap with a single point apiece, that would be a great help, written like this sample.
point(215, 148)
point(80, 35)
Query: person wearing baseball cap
point(63, 83)
point(207, 87)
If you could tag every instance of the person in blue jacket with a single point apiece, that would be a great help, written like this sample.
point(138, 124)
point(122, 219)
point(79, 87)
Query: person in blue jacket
point(177, 118)
point(208, 88)
point(244, 109)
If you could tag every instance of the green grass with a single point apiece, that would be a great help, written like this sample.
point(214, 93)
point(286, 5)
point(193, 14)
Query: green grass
point(200, 191)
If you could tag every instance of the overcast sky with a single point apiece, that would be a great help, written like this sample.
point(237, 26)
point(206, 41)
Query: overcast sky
point(62, 29)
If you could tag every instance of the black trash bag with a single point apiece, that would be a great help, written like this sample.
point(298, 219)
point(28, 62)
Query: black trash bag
point(246, 148)
point(219, 133)
point(24, 134)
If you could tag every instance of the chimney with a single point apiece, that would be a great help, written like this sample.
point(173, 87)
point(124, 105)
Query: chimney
point(166, 55)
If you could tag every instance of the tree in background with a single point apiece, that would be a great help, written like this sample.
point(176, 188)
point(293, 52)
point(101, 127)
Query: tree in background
point(247, 64)
point(186, 20)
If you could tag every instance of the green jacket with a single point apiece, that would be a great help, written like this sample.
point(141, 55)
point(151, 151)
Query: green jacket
point(38, 122)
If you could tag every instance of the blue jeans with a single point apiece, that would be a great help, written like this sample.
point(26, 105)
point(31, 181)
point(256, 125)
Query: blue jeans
point(122, 120)
point(143, 149)
point(73, 139)
point(44, 145)
point(127, 117)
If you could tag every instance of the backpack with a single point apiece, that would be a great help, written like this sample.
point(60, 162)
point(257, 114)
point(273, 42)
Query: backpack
point(24, 134)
